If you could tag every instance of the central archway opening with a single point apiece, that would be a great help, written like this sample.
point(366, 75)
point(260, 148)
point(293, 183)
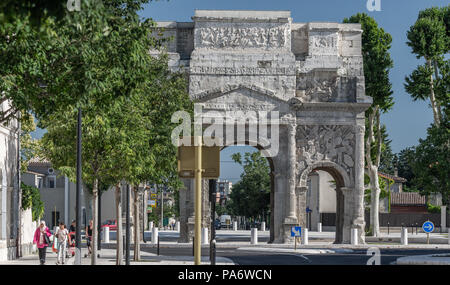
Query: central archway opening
point(325, 202)
point(251, 200)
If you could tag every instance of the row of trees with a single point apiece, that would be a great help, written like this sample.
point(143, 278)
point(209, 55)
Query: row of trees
point(426, 166)
point(96, 60)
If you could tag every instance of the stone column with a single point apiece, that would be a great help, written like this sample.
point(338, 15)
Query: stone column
point(349, 195)
point(358, 196)
point(301, 206)
point(290, 214)
point(278, 209)
point(186, 211)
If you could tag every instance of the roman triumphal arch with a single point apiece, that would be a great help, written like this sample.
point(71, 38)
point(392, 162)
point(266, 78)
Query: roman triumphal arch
point(304, 81)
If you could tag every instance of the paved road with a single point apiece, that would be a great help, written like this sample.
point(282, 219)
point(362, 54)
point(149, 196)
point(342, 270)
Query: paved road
point(358, 257)
point(172, 236)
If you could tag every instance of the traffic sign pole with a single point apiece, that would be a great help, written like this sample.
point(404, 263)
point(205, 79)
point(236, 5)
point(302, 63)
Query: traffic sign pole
point(198, 200)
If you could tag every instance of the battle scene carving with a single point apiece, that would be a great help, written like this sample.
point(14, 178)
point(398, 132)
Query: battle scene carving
point(232, 37)
point(334, 143)
point(316, 88)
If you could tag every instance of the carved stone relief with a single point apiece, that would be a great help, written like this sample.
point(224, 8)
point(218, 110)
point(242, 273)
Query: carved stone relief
point(334, 143)
point(317, 86)
point(252, 37)
point(324, 43)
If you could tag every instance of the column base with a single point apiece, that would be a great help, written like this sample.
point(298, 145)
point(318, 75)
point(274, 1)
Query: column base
point(289, 222)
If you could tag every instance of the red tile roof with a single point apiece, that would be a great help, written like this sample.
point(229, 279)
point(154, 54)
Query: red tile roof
point(37, 161)
point(407, 199)
point(396, 179)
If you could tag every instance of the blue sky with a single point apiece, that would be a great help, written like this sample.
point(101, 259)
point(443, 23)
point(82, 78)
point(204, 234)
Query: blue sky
point(406, 122)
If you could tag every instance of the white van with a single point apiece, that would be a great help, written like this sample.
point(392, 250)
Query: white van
point(225, 221)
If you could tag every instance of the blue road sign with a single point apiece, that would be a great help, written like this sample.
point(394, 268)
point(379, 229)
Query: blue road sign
point(428, 227)
point(296, 231)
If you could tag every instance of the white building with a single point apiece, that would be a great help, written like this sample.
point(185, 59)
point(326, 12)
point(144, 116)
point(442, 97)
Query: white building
point(224, 190)
point(59, 195)
point(9, 191)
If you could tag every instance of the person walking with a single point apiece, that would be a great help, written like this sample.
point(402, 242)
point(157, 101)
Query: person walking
point(89, 237)
point(42, 240)
point(62, 235)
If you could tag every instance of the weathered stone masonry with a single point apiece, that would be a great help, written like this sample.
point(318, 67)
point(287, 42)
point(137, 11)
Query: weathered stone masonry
point(311, 73)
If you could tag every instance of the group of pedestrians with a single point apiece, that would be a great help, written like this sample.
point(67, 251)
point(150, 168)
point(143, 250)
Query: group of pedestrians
point(62, 237)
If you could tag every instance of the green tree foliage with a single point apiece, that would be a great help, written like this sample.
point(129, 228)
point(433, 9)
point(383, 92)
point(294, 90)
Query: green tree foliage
point(428, 39)
point(387, 157)
point(31, 198)
point(431, 164)
point(69, 64)
point(28, 145)
point(251, 195)
point(405, 160)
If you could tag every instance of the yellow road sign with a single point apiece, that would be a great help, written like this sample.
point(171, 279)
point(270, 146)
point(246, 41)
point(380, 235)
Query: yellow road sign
point(210, 161)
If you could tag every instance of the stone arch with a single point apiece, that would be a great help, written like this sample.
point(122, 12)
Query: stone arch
point(343, 184)
point(272, 167)
point(338, 172)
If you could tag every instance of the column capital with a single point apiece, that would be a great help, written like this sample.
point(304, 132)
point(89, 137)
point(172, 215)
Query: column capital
point(360, 129)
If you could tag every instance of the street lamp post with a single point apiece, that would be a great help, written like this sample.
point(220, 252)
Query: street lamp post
point(144, 213)
point(99, 223)
point(212, 195)
point(127, 252)
point(161, 225)
point(78, 193)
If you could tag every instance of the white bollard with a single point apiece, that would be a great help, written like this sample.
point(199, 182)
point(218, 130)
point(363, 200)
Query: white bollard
point(404, 238)
point(177, 226)
point(319, 227)
point(204, 235)
point(234, 226)
point(305, 237)
point(150, 226)
point(106, 234)
point(354, 237)
point(254, 239)
point(154, 235)
point(263, 226)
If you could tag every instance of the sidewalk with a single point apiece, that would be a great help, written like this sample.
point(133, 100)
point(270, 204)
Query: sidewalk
point(433, 259)
point(108, 257)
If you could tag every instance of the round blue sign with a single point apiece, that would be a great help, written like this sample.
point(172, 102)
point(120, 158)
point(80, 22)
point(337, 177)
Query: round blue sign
point(428, 227)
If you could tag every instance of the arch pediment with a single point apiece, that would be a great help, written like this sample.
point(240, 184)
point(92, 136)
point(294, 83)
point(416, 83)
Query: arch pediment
point(222, 90)
point(241, 97)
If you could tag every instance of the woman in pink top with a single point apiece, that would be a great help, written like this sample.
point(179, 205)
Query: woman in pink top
point(39, 240)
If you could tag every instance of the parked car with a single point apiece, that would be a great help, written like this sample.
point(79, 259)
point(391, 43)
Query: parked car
point(111, 224)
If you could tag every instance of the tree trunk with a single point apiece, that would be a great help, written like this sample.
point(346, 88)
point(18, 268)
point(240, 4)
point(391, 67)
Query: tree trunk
point(137, 236)
point(95, 223)
point(373, 172)
point(436, 76)
point(374, 200)
point(436, 111)
point(119, 239)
